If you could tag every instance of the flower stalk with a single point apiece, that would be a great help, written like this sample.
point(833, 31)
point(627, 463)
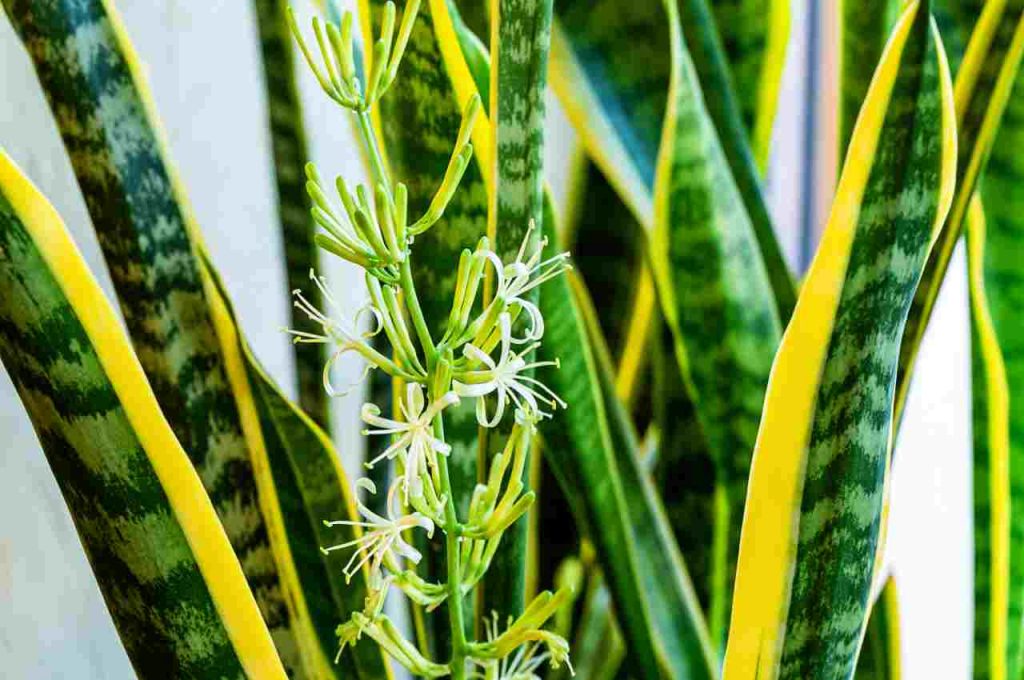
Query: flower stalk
point(483, 355)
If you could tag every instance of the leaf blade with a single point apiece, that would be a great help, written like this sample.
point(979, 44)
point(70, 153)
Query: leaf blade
point(290, 154)
point(717, 300)
point(148, 527)
point(982, 90)
point(520, 38)
point(594, 457)
point(792, 617)
point(97, 89)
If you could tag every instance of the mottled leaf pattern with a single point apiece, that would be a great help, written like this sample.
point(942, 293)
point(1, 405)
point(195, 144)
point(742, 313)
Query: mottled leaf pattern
point(983, 86)
point(303, 485)
point(818, 479)
point(847, 458)
point(520, 40)
point(864, 28)
point(114, 150)
point(139, 508)
point(611, 65)
point(593, 452)
point(288, 143)
point(713, 82)
point(97, 91)
point(717, 301)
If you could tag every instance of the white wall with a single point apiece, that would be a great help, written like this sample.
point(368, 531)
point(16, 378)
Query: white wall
point(202, 58)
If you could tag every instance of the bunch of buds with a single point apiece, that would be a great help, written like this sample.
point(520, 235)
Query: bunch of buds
point(484, 354)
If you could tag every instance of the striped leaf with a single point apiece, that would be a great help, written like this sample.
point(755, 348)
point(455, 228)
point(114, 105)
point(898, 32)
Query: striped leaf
point(593, 452)
point(520, 39)
point(983, 85)
point(177, 323)
point(994, 621)
point(290, 154)
point(714, 83)
point(85, 66)
point(165, 567)
point(994, 236)
point(880, 653)
point(754, 36)
point(717, 301)
point(863, 30)
point(611, 66)
point(301, 485)
point(994, 262)
point(811, 528)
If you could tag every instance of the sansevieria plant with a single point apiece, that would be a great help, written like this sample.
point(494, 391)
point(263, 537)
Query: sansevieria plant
point(666, 455)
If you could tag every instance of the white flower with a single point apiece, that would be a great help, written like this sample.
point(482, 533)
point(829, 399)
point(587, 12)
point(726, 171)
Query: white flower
point(414, 440)
point(518, 278)
point(506, 378)
point(342, 332)
point(522, 666)
point(382, 536)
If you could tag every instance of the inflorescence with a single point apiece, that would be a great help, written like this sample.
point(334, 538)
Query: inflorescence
point(484, 354)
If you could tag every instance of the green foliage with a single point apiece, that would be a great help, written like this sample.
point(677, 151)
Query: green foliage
point(726, 447)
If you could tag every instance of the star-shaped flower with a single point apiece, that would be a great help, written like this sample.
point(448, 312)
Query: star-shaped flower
point(506, 378)
point(382, 536)
point(519, 277)
point(341, 332)
point(414, 436)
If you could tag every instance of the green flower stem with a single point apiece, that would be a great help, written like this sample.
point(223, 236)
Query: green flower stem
point(453, 531)
point(380, 177)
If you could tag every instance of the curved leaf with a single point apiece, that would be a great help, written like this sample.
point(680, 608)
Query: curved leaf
point(165, 567)
point(611, 66)
point(702, 46)
point(812, 523)
point(994, 259)
point(983, 85)
point(863, 30)
point(993, 497)
point(754, 36)
point(716, 299)
point(593, 452)
point(880, 654)
point(288, 143)
point(302, 485)
point(98, 93)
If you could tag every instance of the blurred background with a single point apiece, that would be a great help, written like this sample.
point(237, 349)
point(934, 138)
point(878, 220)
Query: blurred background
point(204, 71)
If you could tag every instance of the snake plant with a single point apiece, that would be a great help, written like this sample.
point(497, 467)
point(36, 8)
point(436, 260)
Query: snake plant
point(615, 436)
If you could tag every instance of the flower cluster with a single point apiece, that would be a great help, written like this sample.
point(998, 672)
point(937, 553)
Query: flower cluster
point(485, 354)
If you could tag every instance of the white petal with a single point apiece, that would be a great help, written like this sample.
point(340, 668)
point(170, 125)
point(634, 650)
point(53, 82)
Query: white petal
point(474, 389)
